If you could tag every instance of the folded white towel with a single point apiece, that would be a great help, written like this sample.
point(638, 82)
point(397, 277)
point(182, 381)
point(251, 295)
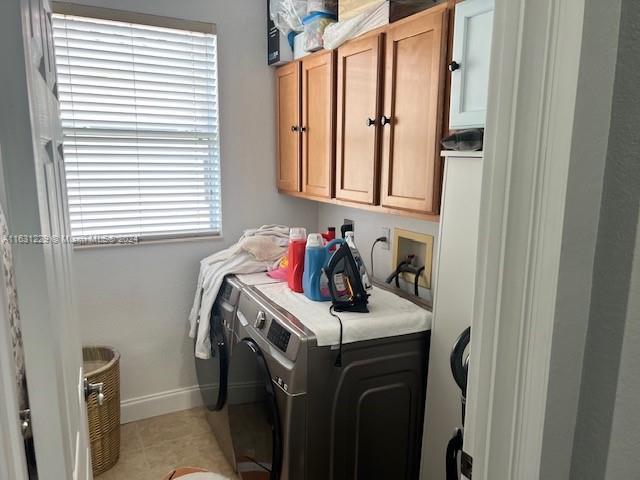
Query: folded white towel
point(255, 251)
point(263, 249)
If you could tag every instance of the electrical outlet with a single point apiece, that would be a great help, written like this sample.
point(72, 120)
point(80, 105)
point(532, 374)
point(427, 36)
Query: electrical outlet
point(351, 225)
point(386, 232)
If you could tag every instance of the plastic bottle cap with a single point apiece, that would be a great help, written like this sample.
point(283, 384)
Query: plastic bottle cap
point(314, 240)
point(297, 233)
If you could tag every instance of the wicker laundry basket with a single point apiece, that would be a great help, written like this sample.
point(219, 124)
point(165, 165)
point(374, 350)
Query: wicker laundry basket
point(102, 365)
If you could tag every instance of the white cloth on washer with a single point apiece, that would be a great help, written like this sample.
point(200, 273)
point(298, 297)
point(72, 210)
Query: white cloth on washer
point(389, 315)
point(256, 251)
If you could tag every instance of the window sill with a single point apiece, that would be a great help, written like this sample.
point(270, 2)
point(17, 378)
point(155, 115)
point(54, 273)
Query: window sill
point(152, 241)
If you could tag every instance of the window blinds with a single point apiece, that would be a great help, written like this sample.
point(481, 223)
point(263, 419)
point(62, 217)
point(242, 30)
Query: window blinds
point(139, 111)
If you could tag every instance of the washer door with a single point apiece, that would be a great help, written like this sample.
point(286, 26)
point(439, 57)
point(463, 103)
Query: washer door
point(213, 372)
point(253, 414)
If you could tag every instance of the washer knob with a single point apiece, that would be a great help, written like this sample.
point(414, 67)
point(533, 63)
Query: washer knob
point(261, 319)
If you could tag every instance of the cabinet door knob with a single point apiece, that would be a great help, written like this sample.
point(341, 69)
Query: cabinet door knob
point(303, 129)
point(384, 120)
point(453, 66)
point(370, 121)
point(294, 128)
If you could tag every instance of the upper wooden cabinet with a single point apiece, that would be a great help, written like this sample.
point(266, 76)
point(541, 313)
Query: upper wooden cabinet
point(288, 124)
point(361, 125)
point(318, 124)
point(470, 67)
point(357, 164)
point(412, 116)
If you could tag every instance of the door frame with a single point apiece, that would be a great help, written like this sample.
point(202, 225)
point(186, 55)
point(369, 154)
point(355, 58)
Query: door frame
point(552, 73)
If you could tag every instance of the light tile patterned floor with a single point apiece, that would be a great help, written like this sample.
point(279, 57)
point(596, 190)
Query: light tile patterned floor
point(153, 447)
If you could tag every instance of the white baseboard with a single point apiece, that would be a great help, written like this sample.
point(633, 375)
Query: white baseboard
point(161, 403)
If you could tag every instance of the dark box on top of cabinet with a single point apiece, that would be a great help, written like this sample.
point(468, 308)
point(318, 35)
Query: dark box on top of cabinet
point(399, 9)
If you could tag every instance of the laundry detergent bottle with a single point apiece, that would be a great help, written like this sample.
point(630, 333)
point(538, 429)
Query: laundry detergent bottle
point(314, 281)
point(297, 242)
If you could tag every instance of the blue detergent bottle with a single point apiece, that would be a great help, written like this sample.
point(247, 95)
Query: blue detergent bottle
point(315, 284)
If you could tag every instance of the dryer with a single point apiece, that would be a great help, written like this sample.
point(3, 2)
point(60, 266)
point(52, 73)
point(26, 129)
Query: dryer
point(295, 415)
point(212, 373)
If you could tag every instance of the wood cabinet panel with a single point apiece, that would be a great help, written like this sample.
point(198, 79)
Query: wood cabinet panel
point(288, 125)
point(412, 119)
point(318, 124)
point(358, 95)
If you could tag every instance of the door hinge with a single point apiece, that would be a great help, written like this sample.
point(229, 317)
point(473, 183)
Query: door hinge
point(466, 465)
point(25, 423)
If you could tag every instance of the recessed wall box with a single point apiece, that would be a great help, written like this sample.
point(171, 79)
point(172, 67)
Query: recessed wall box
point(420, 245)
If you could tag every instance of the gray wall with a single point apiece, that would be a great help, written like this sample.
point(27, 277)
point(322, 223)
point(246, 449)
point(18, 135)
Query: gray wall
point(138, 298)
point(368, 227)
point(607, 434)
point(580, 230)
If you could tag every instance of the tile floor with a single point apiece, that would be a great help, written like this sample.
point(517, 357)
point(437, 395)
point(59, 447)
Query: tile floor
point(152, 447)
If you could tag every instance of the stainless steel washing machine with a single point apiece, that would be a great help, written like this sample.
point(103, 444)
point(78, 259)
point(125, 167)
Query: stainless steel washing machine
point(213, 373)
point(295, 415)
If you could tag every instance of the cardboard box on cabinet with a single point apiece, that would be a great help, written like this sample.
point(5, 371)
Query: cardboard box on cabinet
point(397, 8)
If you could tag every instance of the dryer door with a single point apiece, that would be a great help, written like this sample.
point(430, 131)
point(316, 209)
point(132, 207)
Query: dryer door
point(212, 373)
point(253, 414)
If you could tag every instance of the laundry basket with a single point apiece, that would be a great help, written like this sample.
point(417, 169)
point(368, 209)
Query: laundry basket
point(102, 365)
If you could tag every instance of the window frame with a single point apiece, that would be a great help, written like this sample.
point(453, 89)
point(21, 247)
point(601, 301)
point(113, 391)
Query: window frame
point(101, 13)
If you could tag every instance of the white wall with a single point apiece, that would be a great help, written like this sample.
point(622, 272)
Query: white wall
point(368, 227)
point(580, 230)
point(625, 429)
point(607, 434)
point(137, 298)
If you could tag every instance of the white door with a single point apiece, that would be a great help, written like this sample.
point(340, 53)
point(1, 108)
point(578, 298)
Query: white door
point(473, 28)
point(31, 137)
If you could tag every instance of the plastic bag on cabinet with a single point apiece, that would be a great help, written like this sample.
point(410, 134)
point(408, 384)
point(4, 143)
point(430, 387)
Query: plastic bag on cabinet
point(287, 15)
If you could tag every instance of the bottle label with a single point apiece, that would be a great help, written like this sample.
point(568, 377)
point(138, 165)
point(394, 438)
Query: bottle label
point(324, 285)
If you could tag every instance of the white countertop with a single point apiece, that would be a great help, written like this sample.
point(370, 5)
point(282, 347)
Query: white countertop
point(389, 315)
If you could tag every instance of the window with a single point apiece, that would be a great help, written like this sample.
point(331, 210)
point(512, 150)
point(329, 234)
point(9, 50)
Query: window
point(139, 111)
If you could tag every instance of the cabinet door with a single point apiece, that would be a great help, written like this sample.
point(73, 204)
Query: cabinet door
point(470, 72)
point(357, 155)
point(288, 106)
point(318, 120)
point(414, 86)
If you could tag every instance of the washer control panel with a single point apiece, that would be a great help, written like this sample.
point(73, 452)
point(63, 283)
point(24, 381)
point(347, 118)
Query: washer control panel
point(279, 336)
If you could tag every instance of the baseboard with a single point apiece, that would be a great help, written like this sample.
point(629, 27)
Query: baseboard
point(161, 403)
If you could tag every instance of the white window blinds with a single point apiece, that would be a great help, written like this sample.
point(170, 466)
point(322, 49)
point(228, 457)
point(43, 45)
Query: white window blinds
point(139, 110)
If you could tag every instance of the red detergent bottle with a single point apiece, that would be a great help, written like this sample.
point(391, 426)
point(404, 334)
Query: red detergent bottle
point(297, 245)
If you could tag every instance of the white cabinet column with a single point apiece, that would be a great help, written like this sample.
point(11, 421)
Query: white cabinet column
point(453, 302)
